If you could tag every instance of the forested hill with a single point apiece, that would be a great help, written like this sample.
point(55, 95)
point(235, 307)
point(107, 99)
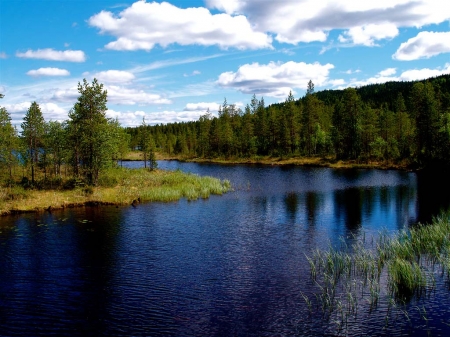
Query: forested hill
point(407, 122)
point(386, 93)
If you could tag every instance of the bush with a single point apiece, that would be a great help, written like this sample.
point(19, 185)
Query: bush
point(107, 181)
point(14, 193)
point(73, 183)
point(88, 190)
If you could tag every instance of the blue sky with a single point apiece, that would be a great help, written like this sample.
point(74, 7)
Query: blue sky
point(170, 61)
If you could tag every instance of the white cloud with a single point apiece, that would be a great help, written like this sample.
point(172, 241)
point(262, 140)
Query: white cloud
point(48, 72)
point(202, 107)
point(337, 82)
point(114, 76)
point(172, 62)
point(275, 79)
point(130, 96)
point(366, 35)
point(420, 74)
point(350, 71)
point(424, 45)
point(408, 75)
point(50, 111)
point(54, 55)
point(194, 73)
point(388, 72)
point(134, 118)
point(3, 55)
point(363, 22)
point(65, 95)
point(143, 25)
point(18, 107)
point(172, 116)
point(117, 94)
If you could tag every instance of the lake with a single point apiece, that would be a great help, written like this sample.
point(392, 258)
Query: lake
point(231, 265)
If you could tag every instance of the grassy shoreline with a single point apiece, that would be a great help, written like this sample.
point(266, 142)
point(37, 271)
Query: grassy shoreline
point(120, 187)
point(330, 162)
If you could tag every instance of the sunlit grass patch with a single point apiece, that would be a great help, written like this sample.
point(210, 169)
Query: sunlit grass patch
point(117, 186)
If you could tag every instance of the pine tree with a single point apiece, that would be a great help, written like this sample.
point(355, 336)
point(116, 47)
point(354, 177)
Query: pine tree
point(33, 131)
point(8, 141)
point(91, 135)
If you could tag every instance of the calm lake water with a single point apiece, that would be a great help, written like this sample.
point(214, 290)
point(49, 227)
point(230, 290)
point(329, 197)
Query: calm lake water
point(231, 265)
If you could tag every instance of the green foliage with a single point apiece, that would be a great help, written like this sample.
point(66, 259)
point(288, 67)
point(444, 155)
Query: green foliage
point(405, 122)
point(33, 131)
point(92, 137)
point(8, 142)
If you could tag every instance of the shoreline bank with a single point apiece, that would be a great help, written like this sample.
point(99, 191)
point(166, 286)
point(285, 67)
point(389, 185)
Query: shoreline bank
point(280, 161)
point(125, 187)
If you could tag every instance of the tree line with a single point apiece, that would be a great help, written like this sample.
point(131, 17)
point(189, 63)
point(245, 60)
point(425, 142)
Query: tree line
point(81, 146)
point(406, 122)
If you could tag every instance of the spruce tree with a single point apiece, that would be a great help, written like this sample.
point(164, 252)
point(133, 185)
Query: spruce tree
point(33, 131)
point(91, 136)
point(8, 141)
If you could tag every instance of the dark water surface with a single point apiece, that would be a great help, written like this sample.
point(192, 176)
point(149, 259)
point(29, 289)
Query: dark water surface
point(232, 265)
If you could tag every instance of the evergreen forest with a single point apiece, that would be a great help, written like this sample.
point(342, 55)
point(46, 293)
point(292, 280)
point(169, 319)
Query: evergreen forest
point(396, 122)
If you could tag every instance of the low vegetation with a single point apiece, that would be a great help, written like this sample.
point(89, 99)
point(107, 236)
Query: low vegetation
point(399, 267)
point(398, 123)
point(118, 186)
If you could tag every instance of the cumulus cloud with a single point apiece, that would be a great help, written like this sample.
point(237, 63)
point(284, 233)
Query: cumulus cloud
point(363, 22)
point(114, 76)
point(275, 79)
point(424, 45)
point(117, 94)
point(202, 107)
point(50, 111)
point(368, 34)
point(18, 107)
point(131, 96)
point(420, 74)
point(3, 55)
point(134, 118)
point(336, 82)
point(54, 55)
point(408, 75)
point(143, 25)
point(388, 72)
point(48, 72)
point(65, 95)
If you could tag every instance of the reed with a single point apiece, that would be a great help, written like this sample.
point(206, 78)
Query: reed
point(118, 186)
point(407, 260)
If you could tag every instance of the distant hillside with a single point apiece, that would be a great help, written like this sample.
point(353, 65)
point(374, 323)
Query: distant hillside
point(397, 122)
point(386, 93)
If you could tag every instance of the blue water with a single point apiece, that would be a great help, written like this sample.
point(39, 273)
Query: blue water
point(231, 265)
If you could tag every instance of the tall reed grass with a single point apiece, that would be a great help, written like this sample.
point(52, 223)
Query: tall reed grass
point(399, 267)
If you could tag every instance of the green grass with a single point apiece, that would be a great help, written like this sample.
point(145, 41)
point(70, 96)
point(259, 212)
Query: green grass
point(116, 186)
point(399, 267)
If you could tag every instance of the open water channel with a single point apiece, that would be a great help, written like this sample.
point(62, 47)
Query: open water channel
point(231, 265)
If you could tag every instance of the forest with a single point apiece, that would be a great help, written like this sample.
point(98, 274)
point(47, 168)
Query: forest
point(45, 152)
point(398, 122)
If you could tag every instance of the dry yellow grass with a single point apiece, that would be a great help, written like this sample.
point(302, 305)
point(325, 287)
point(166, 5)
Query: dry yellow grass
point(303, 161)
point(268, 160)
point(124, 187)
